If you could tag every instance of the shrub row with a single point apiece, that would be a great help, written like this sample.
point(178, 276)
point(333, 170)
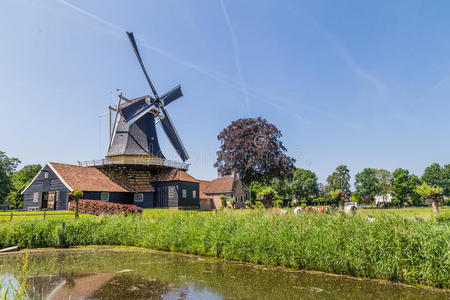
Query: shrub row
point(97, 207)
point(390, 248)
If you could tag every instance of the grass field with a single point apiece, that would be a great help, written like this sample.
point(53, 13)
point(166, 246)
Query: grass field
point(425, 213)
point(414, 212)
point(33, 215)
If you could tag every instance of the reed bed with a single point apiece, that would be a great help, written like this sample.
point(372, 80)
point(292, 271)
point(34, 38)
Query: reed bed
point(390, 248)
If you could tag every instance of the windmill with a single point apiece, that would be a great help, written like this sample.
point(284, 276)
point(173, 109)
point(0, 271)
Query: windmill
point(133, 131)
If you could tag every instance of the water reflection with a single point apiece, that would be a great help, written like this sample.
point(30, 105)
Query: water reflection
point(111, 274)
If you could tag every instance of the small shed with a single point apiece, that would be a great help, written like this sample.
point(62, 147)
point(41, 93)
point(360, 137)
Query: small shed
point(230, 186)
point(206, 201)
point(177, 189)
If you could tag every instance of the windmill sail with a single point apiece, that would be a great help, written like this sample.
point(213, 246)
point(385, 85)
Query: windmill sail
point(173, 136)
point(172, 95)
point(134, 116)
point(136, 51)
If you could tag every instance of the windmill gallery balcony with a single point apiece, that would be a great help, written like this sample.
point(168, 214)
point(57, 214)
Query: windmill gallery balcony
point(137, 160)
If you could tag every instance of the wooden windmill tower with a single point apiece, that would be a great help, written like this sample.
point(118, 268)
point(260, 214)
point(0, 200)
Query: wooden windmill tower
point(134, 133)
point(134, 158)
point(132, 138)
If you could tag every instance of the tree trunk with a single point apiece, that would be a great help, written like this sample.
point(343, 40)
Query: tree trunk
point(341, 204)
point(434, 203)
point(76, 208)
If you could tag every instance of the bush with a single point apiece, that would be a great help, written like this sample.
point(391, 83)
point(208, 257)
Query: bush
point(232, 202)
point(223, 200)
point(277, 203)
point(266, 196)
point(249, 204)
point(97, 207)
point(259, 204)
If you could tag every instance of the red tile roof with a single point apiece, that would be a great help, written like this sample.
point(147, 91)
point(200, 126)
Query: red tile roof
point(223, 185)
point(202, 186)
point(87, 179)
point(176, 175)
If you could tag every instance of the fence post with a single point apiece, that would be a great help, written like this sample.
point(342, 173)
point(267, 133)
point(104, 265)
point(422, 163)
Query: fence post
point(10, 219)
point(44, 214)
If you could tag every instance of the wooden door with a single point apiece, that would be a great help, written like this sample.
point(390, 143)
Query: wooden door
point(51, 200)
point(44, 200)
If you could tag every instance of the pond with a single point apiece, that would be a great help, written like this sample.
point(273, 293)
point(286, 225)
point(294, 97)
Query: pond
point(136, 274)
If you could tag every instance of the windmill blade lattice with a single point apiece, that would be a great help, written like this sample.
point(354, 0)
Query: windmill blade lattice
point(159, 103)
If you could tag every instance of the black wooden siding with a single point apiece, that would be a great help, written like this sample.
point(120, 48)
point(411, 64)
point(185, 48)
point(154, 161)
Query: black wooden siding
point(162, 194)
point(50, 184)
point(158, 199)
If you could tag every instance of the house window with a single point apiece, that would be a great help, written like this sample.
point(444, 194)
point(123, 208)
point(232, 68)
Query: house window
point(138, 197)
point(184, 193)
point(36, 197)
point(194, 194)
point(171, 192)
point(45, 174)
point(104, 196)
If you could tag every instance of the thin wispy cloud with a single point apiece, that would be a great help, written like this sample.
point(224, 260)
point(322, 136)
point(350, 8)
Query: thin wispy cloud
point(347, 58)
point(144, 43)
point(217, 76)
point(90, 15)
point(236, 54)
point(441, 83)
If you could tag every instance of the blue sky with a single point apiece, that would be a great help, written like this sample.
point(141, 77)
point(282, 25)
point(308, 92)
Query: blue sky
point(361, 83)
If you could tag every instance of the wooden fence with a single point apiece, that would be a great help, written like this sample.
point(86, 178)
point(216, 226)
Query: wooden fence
point(44, 214)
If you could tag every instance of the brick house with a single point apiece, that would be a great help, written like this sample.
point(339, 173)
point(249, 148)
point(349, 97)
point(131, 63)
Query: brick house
point(230, 186)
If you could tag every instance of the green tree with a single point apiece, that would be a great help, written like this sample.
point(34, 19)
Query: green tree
point(403, 187)
point(324, 194)
point(339, 196)
point(7, 166)
point(384, 180)
point(433, 175)
point(367, 184)
point(446, 180)
point(19, 181)
point(340, 179)
point(255, 188)
point(431, 193)
point(304, 185)
point(415, 197)
point(76, 195)
point(267, 195)
point(283, 187)
point(437, 176)
point(356, 197)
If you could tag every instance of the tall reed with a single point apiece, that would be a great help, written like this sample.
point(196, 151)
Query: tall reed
point(391, 248)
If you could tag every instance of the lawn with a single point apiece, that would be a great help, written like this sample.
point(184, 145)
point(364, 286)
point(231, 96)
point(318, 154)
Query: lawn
point(151, 212)
point(416, 212)
point(413, 212)
point(28, 215)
